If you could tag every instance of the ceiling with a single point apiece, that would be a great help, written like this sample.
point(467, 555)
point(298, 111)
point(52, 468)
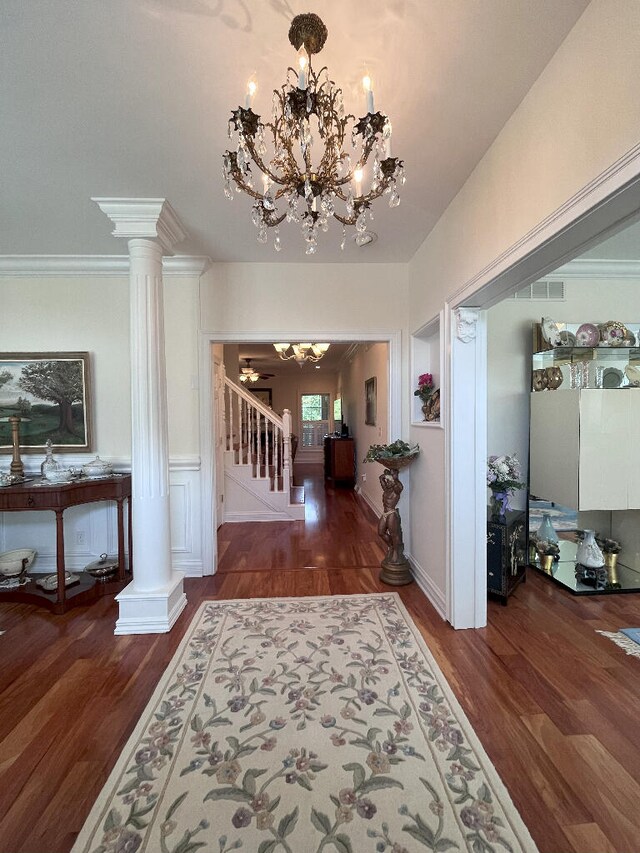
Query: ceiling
point(264, 359)
point(130, 98)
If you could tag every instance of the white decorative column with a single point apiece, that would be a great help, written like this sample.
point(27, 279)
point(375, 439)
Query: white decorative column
point(152, 602)
point(467, 443)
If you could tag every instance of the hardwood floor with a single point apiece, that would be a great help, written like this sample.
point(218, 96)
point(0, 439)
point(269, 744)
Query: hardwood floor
point(554, 703)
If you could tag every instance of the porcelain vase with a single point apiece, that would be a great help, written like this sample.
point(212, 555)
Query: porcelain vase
point(546, 531)
point(499, 505)
point(588, 553)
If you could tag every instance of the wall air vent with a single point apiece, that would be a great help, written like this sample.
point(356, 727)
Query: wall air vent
point(549, 291)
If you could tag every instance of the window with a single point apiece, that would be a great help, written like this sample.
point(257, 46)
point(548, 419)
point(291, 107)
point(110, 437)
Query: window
point(314, 419)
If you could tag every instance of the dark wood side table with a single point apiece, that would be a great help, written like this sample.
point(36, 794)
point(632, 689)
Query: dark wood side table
point(339, 459)
point(507, 553)
point(28, 496)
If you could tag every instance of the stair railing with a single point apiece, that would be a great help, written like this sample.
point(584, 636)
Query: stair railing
point(257, 435)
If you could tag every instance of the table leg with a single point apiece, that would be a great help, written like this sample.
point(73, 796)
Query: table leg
point(60, 566)
point(120, 539)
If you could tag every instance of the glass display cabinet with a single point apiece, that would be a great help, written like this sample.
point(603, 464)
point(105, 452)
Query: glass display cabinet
point(584, 459)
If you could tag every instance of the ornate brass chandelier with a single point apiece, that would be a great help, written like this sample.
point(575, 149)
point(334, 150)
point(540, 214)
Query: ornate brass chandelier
point(301, 352)
point(295, 185)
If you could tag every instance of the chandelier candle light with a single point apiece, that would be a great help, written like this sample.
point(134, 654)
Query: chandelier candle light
point(310, 192)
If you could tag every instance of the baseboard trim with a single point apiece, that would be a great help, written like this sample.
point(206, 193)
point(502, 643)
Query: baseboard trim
point(189, 568)
point(435, 596)
point(365, 497)
point(237, 517)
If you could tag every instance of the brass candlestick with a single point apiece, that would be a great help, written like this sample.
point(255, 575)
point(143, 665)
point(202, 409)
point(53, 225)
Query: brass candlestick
point(17, 467)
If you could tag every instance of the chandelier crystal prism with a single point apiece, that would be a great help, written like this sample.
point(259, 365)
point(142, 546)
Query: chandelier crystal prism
point(311, 176)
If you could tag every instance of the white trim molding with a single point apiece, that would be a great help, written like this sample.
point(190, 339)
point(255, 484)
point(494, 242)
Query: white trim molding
point(599, 268)
point(600, 206)
point(67, 266)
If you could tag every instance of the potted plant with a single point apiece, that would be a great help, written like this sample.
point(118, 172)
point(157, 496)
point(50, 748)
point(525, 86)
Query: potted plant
point(396, 455)
point(430, 397)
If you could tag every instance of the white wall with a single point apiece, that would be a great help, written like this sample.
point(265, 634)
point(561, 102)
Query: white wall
point(317, 297)
point(580, 117)
point(370, 360)
point(91, 313)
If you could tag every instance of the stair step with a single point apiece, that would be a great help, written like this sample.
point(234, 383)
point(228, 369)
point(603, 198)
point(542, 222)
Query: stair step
point(296, 495)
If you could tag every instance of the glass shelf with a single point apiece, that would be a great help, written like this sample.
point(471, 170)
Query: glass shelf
point(590, 367)
point(563, 572)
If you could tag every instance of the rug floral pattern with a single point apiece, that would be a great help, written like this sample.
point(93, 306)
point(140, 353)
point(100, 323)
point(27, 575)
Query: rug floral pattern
point(301, 726)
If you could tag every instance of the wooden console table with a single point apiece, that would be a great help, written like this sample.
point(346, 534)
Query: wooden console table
point(29, 496)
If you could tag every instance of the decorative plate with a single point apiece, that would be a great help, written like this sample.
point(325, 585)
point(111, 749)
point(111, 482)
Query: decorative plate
point(633, 375)
point(550, 331)
point(50, 582)
point(588, 335)
point(566, 339)
point(612, 377)
point(614, 333)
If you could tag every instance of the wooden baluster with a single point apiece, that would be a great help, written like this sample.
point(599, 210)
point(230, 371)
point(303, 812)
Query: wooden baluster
point(286, 451)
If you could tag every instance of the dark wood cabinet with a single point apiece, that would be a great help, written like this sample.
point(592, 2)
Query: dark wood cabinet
point(507, 549)
point(339, 459)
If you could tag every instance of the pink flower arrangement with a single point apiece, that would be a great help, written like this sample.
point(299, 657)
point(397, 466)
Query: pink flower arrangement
point(425, 387)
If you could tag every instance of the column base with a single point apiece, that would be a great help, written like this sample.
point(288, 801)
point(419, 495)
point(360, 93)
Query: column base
point(151, 612)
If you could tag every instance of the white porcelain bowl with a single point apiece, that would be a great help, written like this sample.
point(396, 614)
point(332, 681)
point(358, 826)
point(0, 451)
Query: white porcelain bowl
point(97, 468)
point(59, 475)
point(11, 562)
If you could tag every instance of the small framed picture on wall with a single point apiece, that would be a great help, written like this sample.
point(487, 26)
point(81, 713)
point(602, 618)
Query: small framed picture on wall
point(370, 401)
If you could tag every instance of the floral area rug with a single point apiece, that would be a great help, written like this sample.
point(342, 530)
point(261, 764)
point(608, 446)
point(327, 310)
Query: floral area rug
point(627, 638)
point(303, 725)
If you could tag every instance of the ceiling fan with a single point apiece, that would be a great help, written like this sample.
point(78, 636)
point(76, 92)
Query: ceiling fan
point(250, 374)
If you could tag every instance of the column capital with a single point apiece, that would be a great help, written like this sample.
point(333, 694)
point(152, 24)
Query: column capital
point(146, 218)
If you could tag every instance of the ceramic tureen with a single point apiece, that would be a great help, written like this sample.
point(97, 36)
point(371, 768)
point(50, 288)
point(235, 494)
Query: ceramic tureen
point(97, 468)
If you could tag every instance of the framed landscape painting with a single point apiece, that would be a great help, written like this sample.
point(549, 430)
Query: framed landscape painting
point(50, 392)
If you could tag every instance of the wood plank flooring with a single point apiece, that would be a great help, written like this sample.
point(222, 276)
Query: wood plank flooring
point(554, 703)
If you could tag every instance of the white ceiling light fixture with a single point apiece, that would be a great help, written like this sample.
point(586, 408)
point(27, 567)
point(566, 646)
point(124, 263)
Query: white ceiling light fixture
point(308, 109)
point(301, 352)
point(250, 374)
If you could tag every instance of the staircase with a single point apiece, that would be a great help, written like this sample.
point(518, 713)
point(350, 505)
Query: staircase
point(258, 464)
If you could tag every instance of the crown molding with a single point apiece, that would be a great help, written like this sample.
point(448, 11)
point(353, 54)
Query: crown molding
point(538, 248)
point(597, 268)
point(143, 218)
point(94, 265)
